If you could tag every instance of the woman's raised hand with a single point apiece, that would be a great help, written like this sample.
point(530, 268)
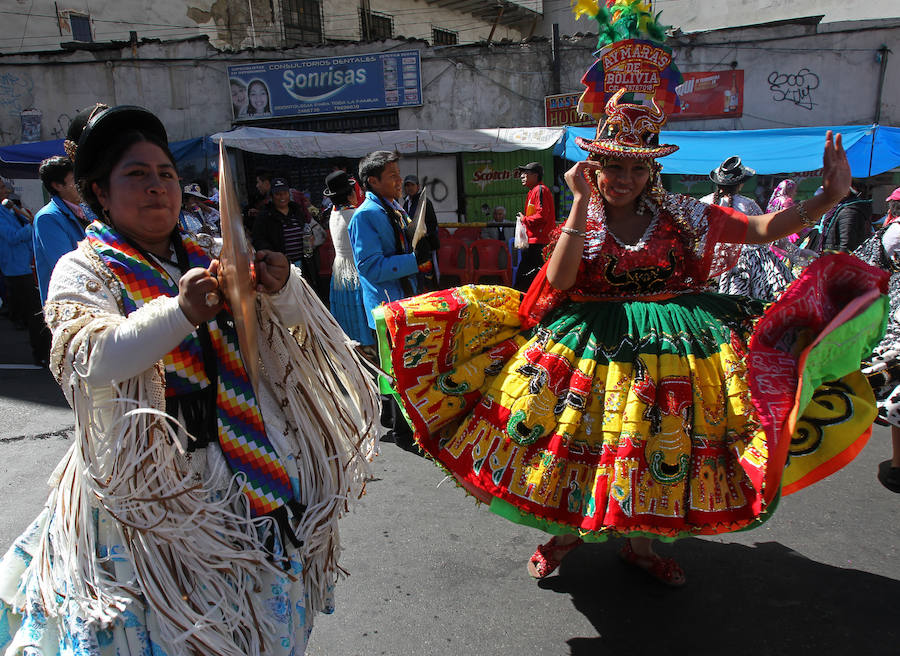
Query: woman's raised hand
point(577, 177)
point(199, 295)
point(272, 271)
point(836, 174)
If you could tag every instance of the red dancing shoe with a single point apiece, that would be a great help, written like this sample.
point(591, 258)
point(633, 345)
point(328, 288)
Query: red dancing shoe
point(547, 557)
point(664, 570)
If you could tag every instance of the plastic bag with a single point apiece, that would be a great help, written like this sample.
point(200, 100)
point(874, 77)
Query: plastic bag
point(521, 239)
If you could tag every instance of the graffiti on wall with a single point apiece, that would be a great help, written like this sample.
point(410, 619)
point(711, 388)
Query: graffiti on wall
point(795, 88)
point(62, 126)
point(15, 93)
point(15, 96)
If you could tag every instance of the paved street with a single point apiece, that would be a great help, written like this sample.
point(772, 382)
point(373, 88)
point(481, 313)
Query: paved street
point(432, 573)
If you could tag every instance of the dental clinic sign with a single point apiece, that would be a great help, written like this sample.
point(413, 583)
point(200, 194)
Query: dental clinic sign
point(326, 85)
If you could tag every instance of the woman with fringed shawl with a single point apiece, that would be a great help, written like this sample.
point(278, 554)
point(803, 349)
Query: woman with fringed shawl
point(193, 513)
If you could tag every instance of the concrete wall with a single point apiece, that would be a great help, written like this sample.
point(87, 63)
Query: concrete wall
point(476, 86)
point(695, 15)
point(796, 76)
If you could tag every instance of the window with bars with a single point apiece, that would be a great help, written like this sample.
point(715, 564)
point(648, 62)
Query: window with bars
point(441, 37)
point(302, 21)
point(374, 26)
point(81, 27)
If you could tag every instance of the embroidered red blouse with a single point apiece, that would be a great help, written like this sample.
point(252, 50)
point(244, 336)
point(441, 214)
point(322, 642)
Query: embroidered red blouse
point(676, 255)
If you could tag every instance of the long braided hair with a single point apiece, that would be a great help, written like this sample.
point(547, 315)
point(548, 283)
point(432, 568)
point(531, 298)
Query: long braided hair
point(724, 195)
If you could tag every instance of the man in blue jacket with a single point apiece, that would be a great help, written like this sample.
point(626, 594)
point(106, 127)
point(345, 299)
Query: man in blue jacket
point(16, 255)
point(388, 267)
point(60, 224)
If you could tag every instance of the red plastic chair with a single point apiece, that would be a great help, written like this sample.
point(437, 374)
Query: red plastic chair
point(467, 234)
point(487, 262)
point(444, 233)
point(449, 255)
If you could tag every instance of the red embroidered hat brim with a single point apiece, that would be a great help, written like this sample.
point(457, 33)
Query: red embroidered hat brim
point(609, 147)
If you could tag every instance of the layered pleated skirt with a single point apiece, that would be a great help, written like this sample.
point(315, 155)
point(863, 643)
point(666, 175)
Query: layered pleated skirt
point(664, 418)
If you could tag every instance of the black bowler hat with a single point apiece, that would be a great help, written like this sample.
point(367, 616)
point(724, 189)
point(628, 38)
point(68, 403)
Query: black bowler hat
point(336, 183)
point(76, 127)
point(102, 128)
point(731, 172)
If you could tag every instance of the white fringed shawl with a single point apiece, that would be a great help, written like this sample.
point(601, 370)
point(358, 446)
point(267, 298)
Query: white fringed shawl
point(197, 561)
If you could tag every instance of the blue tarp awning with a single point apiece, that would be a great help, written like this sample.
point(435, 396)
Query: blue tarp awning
point(788, 150)
point(22, 161)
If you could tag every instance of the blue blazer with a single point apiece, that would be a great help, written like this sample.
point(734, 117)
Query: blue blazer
point(15, 244)
point(56, 232)
point(381, 267)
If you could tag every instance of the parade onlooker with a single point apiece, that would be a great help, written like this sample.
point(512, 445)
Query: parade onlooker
point(849, 225)
point(198, 216)
point(60, 224)
point(388, 267)
point(413, 192)
point(283, 226)
point(16, 259)
point(264, 191)
point(539, 219)
point(345, 295)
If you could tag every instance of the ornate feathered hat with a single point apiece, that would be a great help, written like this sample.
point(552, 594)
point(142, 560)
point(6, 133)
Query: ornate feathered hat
point(629, 130)
point(631, 85)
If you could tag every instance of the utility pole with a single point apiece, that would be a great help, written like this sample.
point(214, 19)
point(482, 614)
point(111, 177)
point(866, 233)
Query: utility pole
point(882, 57)
point(554, 78)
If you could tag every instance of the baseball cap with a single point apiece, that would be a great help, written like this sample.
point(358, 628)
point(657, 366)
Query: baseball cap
point(279, 183)
point(411, 178)
point(531, 167)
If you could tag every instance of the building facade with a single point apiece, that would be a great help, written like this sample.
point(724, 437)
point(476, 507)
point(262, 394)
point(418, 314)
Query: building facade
point(793, 75)
point(703, 15)
point(44, 25)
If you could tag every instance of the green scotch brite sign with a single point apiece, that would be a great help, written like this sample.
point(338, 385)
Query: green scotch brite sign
point(493, 174)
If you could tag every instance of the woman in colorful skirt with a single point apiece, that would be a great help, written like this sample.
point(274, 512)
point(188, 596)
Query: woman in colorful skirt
point(758, 272)
point(619, 397)
point(195, 512)
point(345, 296)
point(883, 369)
point(788, 249)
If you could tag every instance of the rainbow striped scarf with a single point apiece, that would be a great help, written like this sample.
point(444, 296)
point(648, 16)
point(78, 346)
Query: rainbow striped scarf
point(239, 423)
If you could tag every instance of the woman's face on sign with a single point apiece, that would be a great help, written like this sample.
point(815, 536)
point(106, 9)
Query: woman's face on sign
point(259, 97)
point(238, 95)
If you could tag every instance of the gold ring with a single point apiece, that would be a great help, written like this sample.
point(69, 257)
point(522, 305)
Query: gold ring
point(212, 299)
